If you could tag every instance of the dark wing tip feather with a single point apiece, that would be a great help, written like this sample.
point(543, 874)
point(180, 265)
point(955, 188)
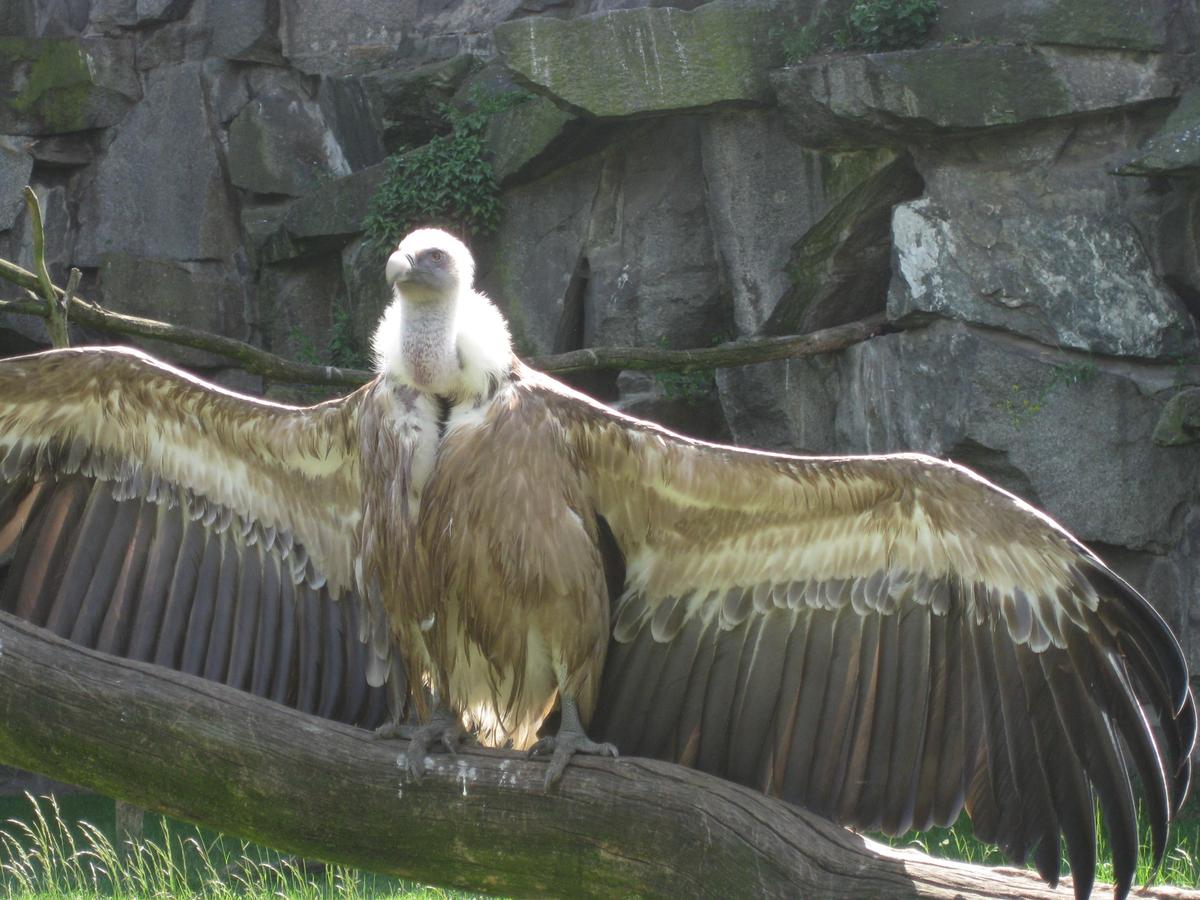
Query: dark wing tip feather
point(131, 572)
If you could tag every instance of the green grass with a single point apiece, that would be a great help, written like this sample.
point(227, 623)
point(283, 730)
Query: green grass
point(1180, 866)
point(66, 848)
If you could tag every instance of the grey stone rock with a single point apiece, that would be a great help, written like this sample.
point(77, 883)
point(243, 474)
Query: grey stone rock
point(841, 268)
point(247, 30)
point(406, 103)
point(279, 144)
point(764, 192)
point(653, 275)
point(1176, 147)
point(319, 37)
point(614, 249)
point(1179, 422)
point(787, 406)
point(865, 99)
point(151, 12)
point(534, 265)
point(185, 37)
point(228, 88)
point(636, 61)
point(167, 221)
point(296, 301)
point(523, 138)
point(67, 151)
point(1117, 24)
point(66, 84)
point(111, 16)
point(333, 214)
point(366, 291)
point(803, 236)
point(1069, 433)
point(1051, 252)
point(204, 295)
point(43, 18)
point(347, 113)
point(16, 244)
point(15, 166)
point(685, 403)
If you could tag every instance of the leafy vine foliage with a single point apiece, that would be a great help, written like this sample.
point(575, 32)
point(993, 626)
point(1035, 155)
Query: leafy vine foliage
point(889, 24)
point(447, 182)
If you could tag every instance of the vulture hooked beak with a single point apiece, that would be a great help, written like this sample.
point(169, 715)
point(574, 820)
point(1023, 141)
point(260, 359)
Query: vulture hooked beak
point(400, 268)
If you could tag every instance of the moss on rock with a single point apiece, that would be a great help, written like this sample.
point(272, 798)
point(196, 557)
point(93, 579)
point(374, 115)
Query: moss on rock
point(627, 62)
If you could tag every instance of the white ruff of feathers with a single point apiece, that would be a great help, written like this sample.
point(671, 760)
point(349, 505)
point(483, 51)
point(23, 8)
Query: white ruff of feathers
point(478, 333)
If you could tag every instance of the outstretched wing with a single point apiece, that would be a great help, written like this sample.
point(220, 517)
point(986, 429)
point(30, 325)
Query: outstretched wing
point(152, 515)
point(884, 640)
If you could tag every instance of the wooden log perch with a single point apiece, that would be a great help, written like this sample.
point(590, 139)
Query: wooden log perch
point(262, 362)
point(477, 821)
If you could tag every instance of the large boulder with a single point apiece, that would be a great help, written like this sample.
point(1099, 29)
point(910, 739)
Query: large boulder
point(1023, 237)
point(615, 249)
point(530, 136)
point(15, 166)
point(803, 236)
point(407, 103)
point(247, 30)
point(1118, 24)
point(636, 61)
point(280, 144)
point(208, 296)
point(65, 84)
point(323, 221)
point(1067, 432)
point(43, 18)
point(530, 265)
point(319, 36)
point(174, 205)
point(1175, 148)
point(866, 99)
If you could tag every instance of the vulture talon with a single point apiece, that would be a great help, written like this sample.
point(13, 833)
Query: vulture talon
point(392, 729)
point(563, 746)
point(444, 728)
point(570, 740)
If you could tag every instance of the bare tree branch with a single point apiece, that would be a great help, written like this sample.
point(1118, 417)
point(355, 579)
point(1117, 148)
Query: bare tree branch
point(479, 821)
point(261, 362)
point(253, 359)
point(722, 356)
point(56, 314)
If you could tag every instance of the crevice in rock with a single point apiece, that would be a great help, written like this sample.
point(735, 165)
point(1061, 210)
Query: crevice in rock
point(570, 336)
point(841, 268)
point(1188, 295)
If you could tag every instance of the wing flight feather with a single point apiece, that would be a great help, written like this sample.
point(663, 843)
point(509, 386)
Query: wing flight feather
point(151, 515)
point(899, 637)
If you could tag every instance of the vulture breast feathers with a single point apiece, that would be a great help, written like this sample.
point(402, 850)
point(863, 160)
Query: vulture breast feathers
point(885, 640)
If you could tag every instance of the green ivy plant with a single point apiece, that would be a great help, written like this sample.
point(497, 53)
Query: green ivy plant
point(447, 182)
point(877, 25)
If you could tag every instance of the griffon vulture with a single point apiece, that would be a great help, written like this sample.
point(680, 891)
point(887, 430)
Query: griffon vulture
point(882, 639)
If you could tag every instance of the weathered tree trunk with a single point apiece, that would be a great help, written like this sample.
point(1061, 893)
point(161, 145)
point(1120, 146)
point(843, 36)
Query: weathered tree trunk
point(480, 821)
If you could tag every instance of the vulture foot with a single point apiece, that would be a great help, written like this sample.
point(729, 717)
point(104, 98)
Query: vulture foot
point(445, 728)
point(570, 740)
point(394, 728)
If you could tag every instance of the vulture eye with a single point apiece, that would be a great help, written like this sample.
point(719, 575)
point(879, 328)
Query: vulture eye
point(437, 255)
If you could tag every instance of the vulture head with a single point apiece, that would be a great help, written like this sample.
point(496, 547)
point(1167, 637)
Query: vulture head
point(439, 334)
point(430, 266)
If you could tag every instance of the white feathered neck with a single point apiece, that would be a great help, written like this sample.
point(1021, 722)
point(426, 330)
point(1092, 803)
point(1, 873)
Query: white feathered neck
point(481, 338)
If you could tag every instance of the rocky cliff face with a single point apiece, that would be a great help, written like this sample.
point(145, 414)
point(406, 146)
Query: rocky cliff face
point(1019, 195)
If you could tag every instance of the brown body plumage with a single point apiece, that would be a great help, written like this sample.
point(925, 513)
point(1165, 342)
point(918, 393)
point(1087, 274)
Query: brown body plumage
point(883, 639)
